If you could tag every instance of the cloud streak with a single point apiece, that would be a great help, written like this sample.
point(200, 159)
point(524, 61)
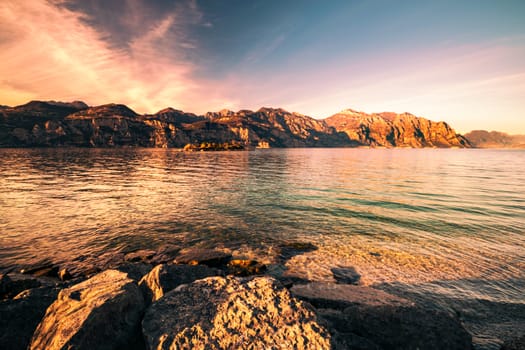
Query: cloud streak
point(48, 51)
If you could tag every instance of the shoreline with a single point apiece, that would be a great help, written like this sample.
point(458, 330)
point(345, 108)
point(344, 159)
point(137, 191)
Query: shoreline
point(334, 308)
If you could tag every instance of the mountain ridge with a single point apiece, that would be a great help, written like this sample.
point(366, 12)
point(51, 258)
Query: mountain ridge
point(495, 139)
point(59, 124)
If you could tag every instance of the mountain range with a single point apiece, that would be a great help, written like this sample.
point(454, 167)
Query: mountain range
point(57, 124)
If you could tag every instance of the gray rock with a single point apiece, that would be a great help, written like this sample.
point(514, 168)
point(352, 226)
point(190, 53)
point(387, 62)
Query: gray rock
point(198, 256)
point(166, 277)
point(366, 318)
point(21, 315)
point(232, 313)
point(517, 343)
point(13, 283)
point(346, 275)
point(135, 271)
point(165, 253)
point(103, 312)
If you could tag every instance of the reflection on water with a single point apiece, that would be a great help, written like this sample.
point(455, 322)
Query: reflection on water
point(402, 216)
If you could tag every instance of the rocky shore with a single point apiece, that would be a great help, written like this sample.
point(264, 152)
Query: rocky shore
point(208, 299)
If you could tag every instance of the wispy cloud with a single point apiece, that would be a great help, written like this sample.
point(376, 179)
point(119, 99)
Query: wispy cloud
point(48, 51)
point(262, 50)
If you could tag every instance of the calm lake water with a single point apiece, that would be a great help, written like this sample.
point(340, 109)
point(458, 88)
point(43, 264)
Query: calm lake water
point(445, 227)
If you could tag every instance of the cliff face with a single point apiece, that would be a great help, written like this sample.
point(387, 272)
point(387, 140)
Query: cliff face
point(279, 128)
point(495, 139)
point(53, 124)
point(395, 130)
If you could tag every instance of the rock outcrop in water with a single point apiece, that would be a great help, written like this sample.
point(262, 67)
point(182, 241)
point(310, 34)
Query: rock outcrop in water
point(395, 130)
point(495, 139)
point(58, 124)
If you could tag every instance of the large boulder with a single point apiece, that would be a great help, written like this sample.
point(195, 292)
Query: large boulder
point(367, 318)
point(103, 312)
point(166, 277)
point(20, 316)
point(232, 313)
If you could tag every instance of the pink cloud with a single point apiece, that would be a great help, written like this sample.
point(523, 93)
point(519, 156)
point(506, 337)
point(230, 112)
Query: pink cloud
point(49, 52)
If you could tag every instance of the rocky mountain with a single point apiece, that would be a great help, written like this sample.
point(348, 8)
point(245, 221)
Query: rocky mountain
point(495, 139)
point(54, 124)
point(279, 128)
point(395, 130)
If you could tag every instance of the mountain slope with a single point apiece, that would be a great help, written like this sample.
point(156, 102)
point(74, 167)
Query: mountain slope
point(495, 139)
point(395, 130)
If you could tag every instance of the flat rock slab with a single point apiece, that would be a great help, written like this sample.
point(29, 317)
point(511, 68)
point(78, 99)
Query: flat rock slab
point(366, 318)
point(232, 313)
point(166, 277)
point(337, 296)
point(103, 312)
point(197, 256)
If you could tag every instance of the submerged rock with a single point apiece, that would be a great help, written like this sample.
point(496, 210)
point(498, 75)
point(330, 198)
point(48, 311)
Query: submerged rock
point(166, 277)
point(103, 312)
point(346, 275)
point(198, 256)
point(245, 267)
point(290, 249)
point(140, 255)
point(232, 313)
point(366, 318)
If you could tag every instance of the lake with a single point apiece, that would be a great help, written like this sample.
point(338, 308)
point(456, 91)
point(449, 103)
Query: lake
point(444, 227)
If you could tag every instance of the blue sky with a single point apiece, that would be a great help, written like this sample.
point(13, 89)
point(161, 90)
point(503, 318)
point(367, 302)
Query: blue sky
point(458, 61)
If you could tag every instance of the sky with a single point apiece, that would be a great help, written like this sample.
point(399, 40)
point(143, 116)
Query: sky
point(458, 61)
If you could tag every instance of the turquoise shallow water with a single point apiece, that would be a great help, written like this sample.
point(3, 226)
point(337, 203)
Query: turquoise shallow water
point(444, 226)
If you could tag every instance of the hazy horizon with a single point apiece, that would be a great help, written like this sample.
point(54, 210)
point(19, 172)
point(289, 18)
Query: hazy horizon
point(458, 62)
